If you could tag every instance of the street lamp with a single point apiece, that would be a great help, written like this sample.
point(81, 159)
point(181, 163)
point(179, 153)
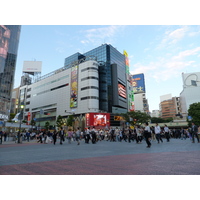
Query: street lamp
point(20, 117)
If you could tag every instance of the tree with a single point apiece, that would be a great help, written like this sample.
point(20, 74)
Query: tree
point(47, 124)
point(194, 112)
point(59, 121)
point(157, 120)
point(136, 117)
point(70, 120)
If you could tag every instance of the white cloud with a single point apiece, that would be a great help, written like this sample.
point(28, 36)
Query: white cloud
point(172, 37)
point(165, 68)
point(187, 53)
point(101, 35)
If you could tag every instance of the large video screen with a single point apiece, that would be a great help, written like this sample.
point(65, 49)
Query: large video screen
point(122, 90)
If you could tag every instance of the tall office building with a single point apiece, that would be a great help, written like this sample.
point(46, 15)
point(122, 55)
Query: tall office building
point(112, 77)
point(91, 86)
point(169, 106)
point(9, 40)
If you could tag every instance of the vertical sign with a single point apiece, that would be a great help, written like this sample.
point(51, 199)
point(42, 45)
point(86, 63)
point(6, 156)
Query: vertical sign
point(126, 62)
point(138, 83)
point(74, 87)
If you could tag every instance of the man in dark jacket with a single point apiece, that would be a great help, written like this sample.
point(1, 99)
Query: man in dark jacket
point(194, 131)
point(61, 134)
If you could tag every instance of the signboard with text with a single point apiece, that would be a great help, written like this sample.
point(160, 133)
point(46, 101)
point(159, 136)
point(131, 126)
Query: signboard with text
point(138, 83)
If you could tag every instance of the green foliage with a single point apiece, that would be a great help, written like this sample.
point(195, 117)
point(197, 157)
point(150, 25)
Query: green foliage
point(59, 121)
point(160, 120)
point(47, 124)
point(194, 112)
point(136, 117)
point(33, 122)
point(70, 120)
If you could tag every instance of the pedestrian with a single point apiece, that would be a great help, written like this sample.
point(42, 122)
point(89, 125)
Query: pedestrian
point(28, 135)
point(78, 133)
point(130, 135)
point(138, 134)
point(157, 130)
point(61, 134)
point(194, 131)
point(153, 135)
point(117, 134)
point(94, 135)
point(183, 134)
point(70, 134)
point(55, 137)
point(1, 136)
point(48, 139)
point(166, 131)
point(147, 134)
point(112, 135)
point(5, 136)
point(87, 137)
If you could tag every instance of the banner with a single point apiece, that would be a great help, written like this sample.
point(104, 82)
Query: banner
point(74, 87)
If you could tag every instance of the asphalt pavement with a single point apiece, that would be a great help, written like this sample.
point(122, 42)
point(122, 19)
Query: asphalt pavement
point(177, 157)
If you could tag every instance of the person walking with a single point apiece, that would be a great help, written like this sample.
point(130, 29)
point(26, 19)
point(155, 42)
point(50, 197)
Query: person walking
point(61, 134)
point(194, 131)
point(78, 133)
point(69, 135)
point(147, 134)
point(28, 135)
point(87, 135)
point(94, 135)
point(1, 136)
point(138, 134)
point(166, 131)
point(157, 132)
point(55, 137)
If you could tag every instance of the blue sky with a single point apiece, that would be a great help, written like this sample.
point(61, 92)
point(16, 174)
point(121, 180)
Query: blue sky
point(162, 53)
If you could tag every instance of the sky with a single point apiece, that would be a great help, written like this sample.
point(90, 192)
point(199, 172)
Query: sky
point(161, 52)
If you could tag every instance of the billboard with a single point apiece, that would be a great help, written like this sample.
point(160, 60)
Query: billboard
point(32, 66)
point(126, 62)
point(122, 90)
point(74, 87)
point(138, 83)
point(99, 120)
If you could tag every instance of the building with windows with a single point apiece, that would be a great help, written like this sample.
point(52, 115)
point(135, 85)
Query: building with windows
point(9, 40)
point(191, 91)
point(91, 86)
point(170, 106)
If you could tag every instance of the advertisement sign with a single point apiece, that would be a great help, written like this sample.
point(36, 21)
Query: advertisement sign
point(99, 120)
point(32, 66)
point(4, 45)
point(126, 62)
point(121, 90)
point(29, 118)
point(74, 87)
point(138, 83)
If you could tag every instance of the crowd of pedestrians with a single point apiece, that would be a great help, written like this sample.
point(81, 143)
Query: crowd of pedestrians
point(92, 135)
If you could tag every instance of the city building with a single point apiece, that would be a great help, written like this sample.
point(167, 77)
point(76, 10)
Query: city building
point(169, 106)
point(9, 40)
point(91, 86)
point(14, 103)
point(191, 91)
point(155, 113)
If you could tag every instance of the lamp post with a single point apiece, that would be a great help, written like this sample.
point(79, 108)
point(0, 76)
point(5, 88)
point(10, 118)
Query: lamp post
point(20, 117)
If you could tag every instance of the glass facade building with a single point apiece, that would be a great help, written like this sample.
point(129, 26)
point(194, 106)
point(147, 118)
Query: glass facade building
point(9, 40)
point(108, 58)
